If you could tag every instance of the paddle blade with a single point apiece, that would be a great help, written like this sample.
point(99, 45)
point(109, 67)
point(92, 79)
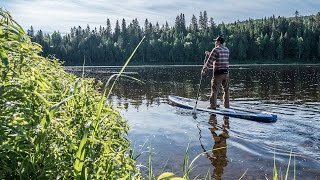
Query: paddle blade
point(194, 111)
point(194, 115)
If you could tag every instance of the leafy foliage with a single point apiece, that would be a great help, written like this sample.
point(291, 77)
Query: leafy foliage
point(54, 125)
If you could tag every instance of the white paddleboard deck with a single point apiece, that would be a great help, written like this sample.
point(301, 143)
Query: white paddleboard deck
point(202, 106)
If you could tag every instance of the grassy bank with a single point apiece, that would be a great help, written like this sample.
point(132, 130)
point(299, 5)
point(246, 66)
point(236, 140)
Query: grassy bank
point(54, 125)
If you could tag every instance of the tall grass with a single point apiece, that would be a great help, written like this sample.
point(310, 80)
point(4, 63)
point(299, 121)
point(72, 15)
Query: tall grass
point(277, 176)
point(187, 168)
point(54, 125)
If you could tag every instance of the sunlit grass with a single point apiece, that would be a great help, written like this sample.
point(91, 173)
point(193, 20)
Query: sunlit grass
point(54, 125)
point(188, 167)
point(277, 176)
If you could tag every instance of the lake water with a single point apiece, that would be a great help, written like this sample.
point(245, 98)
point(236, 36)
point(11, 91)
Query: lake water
point(290, 91)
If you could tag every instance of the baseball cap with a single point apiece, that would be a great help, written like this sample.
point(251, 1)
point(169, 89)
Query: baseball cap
point(220, 39)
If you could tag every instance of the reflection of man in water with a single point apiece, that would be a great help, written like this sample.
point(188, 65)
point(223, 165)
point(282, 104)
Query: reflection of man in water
point(218, 157)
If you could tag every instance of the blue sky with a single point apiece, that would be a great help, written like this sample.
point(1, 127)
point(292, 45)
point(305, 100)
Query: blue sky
point(61, 15)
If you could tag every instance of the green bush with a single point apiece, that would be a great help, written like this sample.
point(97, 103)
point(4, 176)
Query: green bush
point(54, 125)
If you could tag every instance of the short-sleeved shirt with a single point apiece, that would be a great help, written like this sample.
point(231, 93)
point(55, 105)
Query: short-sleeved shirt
point(219, 58)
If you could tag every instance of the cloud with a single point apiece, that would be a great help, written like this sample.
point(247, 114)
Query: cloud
point(50, 15)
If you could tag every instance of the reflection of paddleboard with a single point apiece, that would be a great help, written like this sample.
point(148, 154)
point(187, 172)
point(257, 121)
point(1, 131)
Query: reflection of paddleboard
point(202, 106)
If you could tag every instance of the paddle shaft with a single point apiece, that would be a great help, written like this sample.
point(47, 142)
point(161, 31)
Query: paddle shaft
point(195, 106)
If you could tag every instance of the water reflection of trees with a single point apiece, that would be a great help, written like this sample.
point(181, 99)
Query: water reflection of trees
point(276, 83)
point(251, 82)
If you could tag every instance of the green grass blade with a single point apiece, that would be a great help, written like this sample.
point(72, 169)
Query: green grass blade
point(150, 163)
point(164, 166)
point(177, 178)
point(140, 150)
point(193, 161)
point(41, 97)
point(124, 66)
point(185, 162)
point(78, 165)
point(287, 173)
point(275, 173)
point(294, 167)
point(84, 62)
point(165, 175)
point(243, 174)
point(57, 105)
point(133, 78)
point(208, 175)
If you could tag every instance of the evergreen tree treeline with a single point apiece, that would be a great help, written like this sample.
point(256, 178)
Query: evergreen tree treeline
point(272, 40)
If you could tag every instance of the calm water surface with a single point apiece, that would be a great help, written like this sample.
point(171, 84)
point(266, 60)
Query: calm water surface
point(292, 92)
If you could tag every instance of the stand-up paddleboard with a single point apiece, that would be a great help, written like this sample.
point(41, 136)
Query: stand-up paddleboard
point(202, 106)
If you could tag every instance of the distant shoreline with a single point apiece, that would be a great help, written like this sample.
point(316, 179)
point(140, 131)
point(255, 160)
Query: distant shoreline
point(233, 65)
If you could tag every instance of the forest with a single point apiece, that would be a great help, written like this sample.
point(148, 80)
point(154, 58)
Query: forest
point(271, 40)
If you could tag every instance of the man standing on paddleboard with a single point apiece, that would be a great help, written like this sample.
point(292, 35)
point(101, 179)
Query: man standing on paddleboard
point(218, 59)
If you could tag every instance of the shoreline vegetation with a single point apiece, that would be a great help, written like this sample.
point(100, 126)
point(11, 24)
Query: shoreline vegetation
point(54, 125)
point(272, 40)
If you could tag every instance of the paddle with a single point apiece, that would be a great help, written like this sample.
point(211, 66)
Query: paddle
point(194, 111)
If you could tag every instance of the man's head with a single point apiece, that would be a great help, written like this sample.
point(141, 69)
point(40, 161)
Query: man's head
point(219, 40)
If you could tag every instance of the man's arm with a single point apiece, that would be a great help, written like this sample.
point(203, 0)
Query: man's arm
point(209, 61)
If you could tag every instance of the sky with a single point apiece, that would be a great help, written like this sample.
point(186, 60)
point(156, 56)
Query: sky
point(61, 15)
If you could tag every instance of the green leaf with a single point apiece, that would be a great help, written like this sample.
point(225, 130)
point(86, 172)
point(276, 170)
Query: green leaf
point(56, 106)
point(4, 57)
point(78, 165)
point(177, 178)
point(275, 173)
point(287, 173)
point(24, 46)
point(165, 175)
point(42, 98)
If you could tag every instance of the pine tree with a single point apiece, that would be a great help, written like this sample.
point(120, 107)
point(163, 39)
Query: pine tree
point(177, 25)
point(157, 28)
point(56, 38)
point(167, 27)
point(194, 24)
point(182, 23)
point(87, 31)
point(205, 21)
point(108, 28)
point(213, 27)
point(30, 32)
point(146, 28)
point(39, 37)
point(201, 21)
point(124, 27)
point(296, 14)
point(116, 30)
